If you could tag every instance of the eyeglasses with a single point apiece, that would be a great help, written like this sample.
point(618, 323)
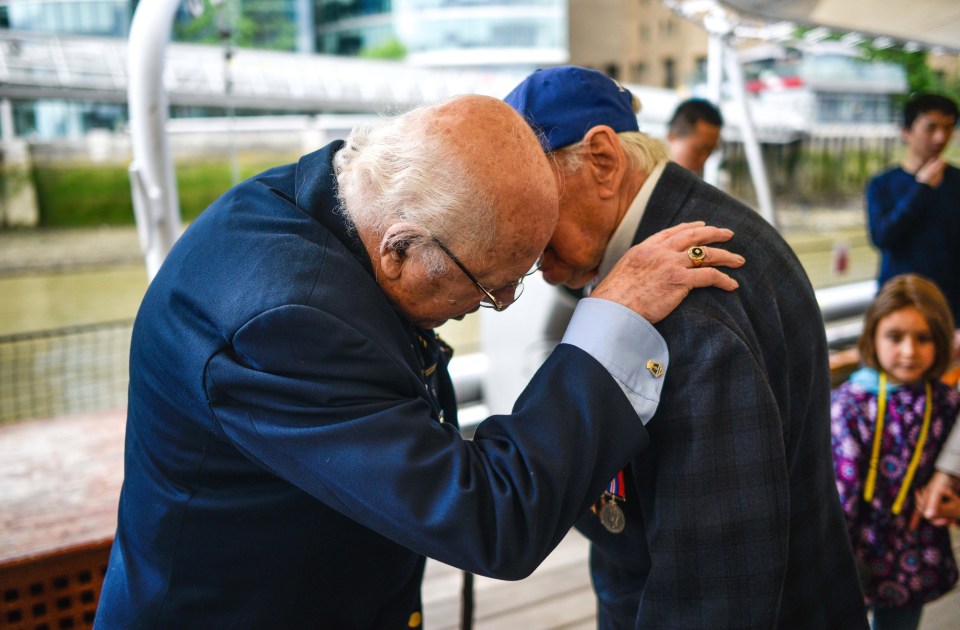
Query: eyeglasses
point(489, 299)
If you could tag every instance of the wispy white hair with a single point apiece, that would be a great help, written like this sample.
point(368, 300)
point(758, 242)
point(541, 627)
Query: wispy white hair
point(643, 152)
point(400, 171)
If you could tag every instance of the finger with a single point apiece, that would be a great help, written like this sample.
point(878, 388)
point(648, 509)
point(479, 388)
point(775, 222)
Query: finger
point(704, 235)
point(710, 277)
point(932, 507)
point(914, 520)
point(714, 257)
point(670, 232)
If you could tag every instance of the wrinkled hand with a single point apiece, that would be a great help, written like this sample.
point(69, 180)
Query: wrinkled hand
point(938, 502)
point(931, 173)
point(654, 276)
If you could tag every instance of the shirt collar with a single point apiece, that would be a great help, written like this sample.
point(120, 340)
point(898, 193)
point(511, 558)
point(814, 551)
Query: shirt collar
point(623, 236)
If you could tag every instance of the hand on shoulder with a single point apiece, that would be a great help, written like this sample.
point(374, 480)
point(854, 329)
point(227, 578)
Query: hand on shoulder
point(654, 276)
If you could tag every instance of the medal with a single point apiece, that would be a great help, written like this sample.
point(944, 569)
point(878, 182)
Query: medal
point(611, 517)
point(607, 509)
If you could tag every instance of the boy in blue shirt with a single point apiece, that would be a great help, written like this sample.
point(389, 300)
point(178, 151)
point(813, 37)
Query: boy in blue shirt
point(914, 208)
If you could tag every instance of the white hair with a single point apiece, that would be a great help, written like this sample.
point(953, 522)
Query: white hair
point(401, 172)
point(643, 152)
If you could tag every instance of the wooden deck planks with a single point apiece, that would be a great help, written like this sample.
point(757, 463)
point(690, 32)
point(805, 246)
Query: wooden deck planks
point(557, 596)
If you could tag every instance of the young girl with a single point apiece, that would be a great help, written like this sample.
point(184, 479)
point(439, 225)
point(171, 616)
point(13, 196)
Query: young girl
point(889, 422)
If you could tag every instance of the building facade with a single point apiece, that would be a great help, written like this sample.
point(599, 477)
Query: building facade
point(637, 41)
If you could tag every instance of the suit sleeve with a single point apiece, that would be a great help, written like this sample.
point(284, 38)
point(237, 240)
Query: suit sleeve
point(717, 527)
point(949, 459)
point(339, 415)
point(891, 217)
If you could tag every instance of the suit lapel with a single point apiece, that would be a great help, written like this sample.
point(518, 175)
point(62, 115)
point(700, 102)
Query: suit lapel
point(668, 197)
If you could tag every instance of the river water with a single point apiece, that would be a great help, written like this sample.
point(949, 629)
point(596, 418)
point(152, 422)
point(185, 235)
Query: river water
point(46, 301)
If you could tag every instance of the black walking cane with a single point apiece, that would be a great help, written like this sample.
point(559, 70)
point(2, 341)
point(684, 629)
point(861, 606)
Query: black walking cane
point(466, 600)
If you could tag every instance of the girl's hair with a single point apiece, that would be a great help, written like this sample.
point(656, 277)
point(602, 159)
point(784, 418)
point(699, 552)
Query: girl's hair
point(901, 292)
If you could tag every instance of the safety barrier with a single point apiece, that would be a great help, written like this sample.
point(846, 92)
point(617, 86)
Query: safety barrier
point(64, 371)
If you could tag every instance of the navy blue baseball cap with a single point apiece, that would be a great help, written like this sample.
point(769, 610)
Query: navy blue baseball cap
point(562, 104)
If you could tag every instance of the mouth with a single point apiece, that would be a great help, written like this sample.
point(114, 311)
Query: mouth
point(569, 278)
point(908, 369)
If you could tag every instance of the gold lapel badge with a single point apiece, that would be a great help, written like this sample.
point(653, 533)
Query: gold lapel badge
point(656, 368)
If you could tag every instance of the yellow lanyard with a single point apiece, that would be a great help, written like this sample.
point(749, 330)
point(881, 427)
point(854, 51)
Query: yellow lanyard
point(878, 438)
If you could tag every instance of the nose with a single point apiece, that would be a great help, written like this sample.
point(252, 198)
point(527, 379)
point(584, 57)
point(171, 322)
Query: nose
point(505, 297)
point(942, 135)
point(548, 260)
point(908, 346)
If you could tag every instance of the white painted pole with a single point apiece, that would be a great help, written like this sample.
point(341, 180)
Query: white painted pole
point(758, 172)
point(715, 50)
point(156, 202)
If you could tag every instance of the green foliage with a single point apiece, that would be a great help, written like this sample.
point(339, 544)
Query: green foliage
point(82, 194)
point(814, 171)
point(920, 78)
point(263, 27)
point(389, 49)
point(70, 196)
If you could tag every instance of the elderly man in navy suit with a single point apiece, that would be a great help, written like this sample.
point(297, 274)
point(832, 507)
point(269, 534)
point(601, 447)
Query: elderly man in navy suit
point(730, 517)
point(292, 452)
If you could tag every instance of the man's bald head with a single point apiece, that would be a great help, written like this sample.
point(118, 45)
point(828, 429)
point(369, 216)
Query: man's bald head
point(468, 172)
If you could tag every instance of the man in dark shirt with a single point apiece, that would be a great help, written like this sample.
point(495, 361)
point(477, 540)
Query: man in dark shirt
point(914, 208)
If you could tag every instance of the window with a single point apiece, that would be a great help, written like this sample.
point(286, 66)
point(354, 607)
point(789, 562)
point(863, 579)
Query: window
point(669, 73)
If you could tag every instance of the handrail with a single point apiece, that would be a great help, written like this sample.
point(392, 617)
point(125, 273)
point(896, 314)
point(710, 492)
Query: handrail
point(153, 181)
point(842, 308)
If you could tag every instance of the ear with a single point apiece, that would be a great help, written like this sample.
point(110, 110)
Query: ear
point(395, 247)
point(606, 159)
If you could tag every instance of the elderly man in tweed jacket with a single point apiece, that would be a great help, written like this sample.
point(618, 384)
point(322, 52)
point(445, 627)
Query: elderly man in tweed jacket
point(730, 517)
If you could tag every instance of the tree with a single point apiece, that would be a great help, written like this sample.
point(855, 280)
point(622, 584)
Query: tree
point(250, 26)
point(391, 48)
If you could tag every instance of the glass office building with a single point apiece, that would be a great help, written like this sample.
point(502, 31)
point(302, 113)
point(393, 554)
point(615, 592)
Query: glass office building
point(74, 17)
point(521, 34)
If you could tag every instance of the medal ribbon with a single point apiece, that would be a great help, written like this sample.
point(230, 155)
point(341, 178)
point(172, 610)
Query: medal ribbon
point(870, 485)
point(430, 350)
point(615, 489)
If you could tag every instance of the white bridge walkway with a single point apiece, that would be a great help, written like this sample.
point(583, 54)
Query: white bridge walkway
point(38, 65)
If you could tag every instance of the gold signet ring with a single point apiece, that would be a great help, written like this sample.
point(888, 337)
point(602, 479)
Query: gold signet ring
point(697, 255)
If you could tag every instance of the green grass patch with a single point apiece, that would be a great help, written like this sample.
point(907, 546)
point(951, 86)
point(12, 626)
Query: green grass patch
point(83, 194)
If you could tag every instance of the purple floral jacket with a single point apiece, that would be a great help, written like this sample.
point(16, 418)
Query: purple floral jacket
point(898, 567)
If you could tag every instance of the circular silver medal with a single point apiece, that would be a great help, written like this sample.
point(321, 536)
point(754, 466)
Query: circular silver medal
point(611, 517)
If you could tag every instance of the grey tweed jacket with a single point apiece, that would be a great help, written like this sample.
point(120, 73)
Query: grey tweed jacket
point(733, 518)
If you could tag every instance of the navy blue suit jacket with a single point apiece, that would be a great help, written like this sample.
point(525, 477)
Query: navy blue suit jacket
point(917, 228)
point(285, 463)
point(732, 514)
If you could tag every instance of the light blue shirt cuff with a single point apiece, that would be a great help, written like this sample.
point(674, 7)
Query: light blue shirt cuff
point(629, 347)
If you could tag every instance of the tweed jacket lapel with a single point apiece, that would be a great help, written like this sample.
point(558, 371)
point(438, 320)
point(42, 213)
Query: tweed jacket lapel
point(672, 191)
